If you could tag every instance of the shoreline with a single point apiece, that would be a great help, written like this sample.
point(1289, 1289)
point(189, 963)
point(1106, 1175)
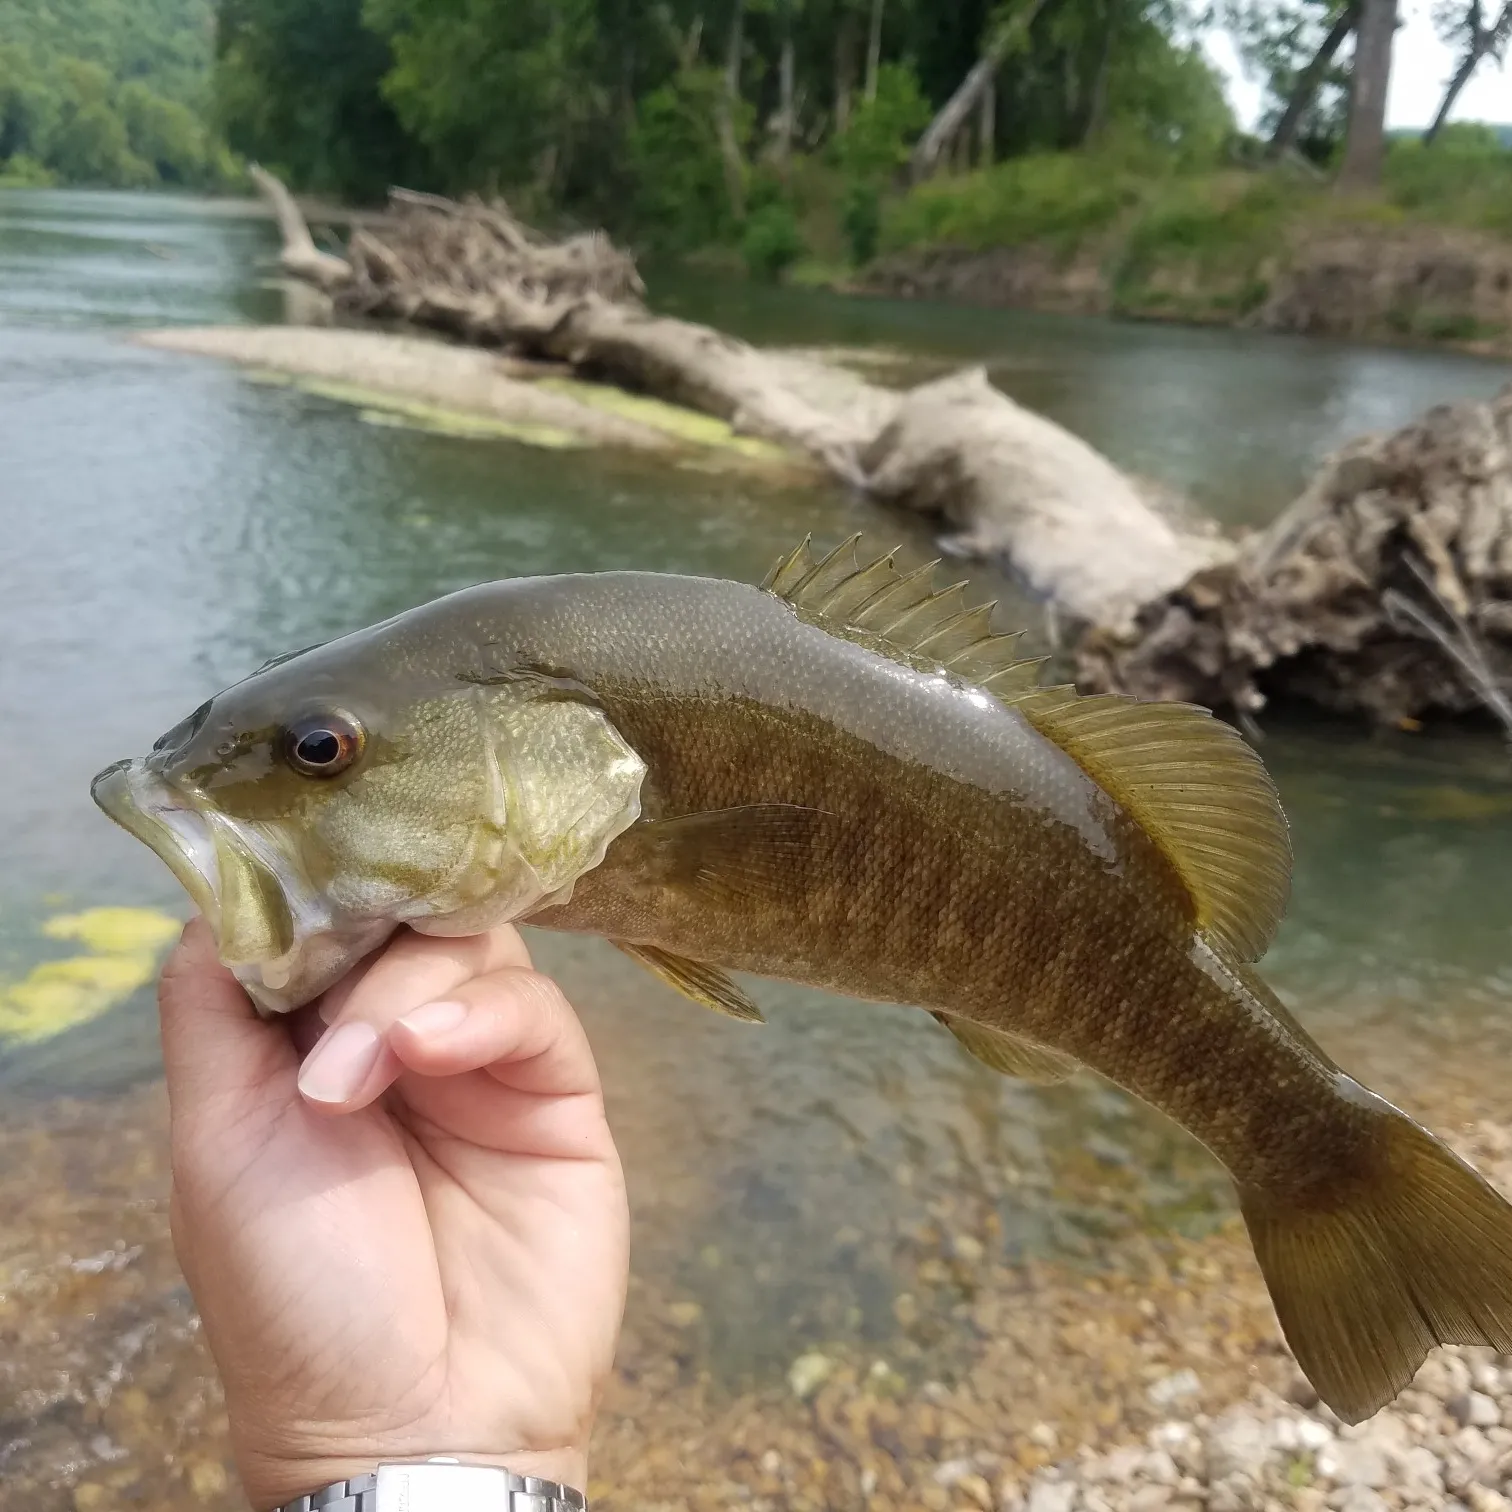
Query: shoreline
point(1148, 1374)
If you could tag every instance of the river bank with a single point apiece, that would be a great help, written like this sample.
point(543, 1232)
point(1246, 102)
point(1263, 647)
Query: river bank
point(1425, 260)
point(1412, 285)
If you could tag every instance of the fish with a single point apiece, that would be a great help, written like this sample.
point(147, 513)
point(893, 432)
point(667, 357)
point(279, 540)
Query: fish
point(845, 778)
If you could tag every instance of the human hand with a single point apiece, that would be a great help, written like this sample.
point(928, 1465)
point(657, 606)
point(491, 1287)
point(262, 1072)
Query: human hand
point(418, 1243)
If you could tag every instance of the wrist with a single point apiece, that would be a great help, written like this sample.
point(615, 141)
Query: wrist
point(270, 1484)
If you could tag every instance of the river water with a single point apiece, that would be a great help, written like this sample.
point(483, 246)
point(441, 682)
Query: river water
point(169, 524)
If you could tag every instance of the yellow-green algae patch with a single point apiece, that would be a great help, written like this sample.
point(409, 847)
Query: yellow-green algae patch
point(121, 950)
point(687, 425)
point(378, 407)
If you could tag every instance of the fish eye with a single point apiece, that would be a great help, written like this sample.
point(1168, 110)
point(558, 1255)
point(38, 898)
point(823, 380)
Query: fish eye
point(321, 745)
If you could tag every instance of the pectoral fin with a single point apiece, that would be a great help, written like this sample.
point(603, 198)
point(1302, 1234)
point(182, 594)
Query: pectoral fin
point(704, 984)
point(756, 853)
point(1009, 1054)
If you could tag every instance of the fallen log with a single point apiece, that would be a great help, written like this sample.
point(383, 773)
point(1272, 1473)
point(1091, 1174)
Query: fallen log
point(1013, 487)
point(1328, 606)
point(1312, 609)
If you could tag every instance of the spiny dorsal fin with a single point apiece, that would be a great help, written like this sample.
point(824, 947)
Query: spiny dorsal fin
point(902, 615)
point(1011, 1054)
point(1193, 783)
point(1200, 792)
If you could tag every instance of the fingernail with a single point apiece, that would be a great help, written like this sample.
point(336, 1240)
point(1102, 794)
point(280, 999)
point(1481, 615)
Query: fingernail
point(431, 1019)
point(340, 1063)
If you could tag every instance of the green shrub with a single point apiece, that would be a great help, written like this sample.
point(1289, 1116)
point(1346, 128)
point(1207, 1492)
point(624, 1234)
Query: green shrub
point(1465, 177)
point(772, 242)
point(861, 220)
point(876, 143)
point(681, 199)
point(23, 171)
point(1059, 197)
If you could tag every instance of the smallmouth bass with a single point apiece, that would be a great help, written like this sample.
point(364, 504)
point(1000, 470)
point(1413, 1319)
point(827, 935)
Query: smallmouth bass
point(846, 779)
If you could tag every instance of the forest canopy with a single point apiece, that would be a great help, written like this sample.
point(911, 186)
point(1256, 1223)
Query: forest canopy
point(108, 92)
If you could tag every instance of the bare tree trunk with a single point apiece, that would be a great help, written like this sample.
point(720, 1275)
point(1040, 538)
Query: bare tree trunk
point(300, 257)
point(785, 105)
point(1097, 98)
point(1308, 81)
point(987, 126)
point(729, 105)
point(874, 49)
point(1482, 41)
point(955, 111)
point(1365, 146)
point(845, 70)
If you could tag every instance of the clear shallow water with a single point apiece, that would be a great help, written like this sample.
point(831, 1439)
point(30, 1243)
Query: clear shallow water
point(168, 525)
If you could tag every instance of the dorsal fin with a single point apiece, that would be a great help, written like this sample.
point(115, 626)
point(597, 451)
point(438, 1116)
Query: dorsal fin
point(1192, 782)
point(902, 615)
point(1200, 792)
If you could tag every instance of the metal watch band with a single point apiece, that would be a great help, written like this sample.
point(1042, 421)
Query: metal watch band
point(456, 1488)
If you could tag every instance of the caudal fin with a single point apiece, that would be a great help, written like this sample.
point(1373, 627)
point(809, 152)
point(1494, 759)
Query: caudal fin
point(1415, 1254)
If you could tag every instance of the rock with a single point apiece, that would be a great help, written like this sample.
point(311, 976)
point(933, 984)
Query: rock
point(1357, 1462)
point(1149, 1499)
point(1239, 1444)
point(1484, 1499)
point(89, 1497)
point(1358, 1499)
point(1051, 1496)
point(808, 1373)
point(1043, 1435)
point(684, 1314)
point(1237, 1492)
point(1419, 1466)
point(1474, 1409)
point(952, 1472)
point(1174, 1387)
point(966, 1249)
point(1158, 1466)
point(208, 1480)
point(1182, 1442)
point(1312, 1435)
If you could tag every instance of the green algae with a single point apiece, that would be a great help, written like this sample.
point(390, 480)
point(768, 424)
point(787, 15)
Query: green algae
point(121, 950)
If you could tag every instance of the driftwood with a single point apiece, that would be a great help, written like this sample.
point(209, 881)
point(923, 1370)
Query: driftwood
point(1328, 606)
point(1333, 604)
point(1013, 486)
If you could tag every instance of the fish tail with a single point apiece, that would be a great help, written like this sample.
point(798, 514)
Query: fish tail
point(1413, 1252)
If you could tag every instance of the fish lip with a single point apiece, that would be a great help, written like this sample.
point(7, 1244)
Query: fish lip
point(150, 810)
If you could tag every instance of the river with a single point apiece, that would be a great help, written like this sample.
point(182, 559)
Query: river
point(170, 524)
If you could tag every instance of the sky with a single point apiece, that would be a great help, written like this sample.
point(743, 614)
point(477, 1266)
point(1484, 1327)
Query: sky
point(1420, 68)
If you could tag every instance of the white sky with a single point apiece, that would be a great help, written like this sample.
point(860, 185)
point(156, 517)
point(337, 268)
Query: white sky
point(1420, 68)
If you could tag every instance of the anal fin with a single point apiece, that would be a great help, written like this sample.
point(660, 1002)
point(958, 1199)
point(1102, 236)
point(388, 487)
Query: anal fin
point(706, 985)
point(1011, 1054)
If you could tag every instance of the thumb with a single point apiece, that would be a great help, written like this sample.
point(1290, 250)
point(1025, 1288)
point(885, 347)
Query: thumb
point(215, 1048)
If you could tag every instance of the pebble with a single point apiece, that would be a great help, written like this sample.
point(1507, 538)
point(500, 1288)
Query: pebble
point(1474, 1409)
point(1052, 1496)
point(808, 1373)
point(1172, 1388)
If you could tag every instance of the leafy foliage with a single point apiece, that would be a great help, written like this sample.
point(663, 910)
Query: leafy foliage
point(107, 92)
point(772, 242)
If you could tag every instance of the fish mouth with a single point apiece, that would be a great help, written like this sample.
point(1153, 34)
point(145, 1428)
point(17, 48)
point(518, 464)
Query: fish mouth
point(276, 936)
point(149, 810)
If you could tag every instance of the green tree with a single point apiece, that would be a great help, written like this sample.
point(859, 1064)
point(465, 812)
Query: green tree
point(299, 86)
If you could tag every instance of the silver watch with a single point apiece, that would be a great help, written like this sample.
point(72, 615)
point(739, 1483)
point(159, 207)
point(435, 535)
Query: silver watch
point(441, 1484)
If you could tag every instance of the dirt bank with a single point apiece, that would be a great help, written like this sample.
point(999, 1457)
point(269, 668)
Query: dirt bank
point(1367, 283)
